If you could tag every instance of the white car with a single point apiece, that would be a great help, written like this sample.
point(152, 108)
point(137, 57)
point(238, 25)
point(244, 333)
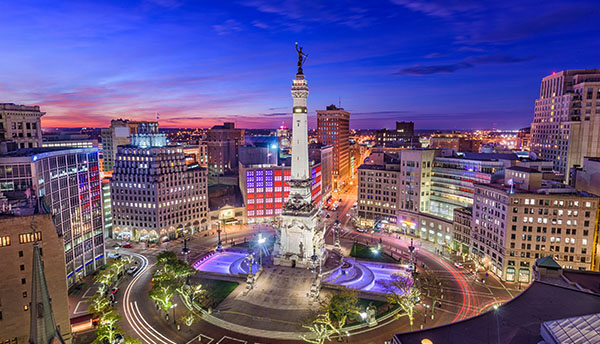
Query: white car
point(132, 270)
point(458, 265)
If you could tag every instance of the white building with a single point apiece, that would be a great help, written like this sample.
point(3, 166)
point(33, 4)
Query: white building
point(21, 123)
point(154, 193)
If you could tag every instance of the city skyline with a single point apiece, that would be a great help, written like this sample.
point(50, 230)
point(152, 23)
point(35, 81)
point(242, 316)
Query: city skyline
point(386, 60)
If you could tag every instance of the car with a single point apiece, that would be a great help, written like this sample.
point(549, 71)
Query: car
point(327, 216)
point(132, 270)
point(114, 256)
point(127, 245)
point(458, 265)
point(119, 338)
point(114, 290)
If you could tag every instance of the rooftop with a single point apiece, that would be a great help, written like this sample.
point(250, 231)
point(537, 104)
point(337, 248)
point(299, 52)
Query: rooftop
point(517, 321)
point(32, 152)
point(523, 169)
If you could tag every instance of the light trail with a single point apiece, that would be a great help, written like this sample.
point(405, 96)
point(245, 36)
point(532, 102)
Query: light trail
point(134, 316)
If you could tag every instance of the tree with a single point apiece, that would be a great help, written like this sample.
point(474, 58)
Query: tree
point(321, 329)
point(104, 278)
point(402, 292)
point(99, 304)
point(428, 282)
point(162, 292)
point(339, 307)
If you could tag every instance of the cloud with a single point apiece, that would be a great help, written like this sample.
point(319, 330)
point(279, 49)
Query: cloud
point(466, 63)
point(428, 70)
point(229, 26)
point(439, 8)
point(260, 24)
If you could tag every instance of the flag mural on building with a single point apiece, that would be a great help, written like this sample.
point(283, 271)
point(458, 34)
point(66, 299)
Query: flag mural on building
point(266, 189)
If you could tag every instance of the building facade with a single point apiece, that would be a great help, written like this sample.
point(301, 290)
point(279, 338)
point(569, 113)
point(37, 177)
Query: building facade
point(402, 136)
point(118, 134)
point(566, 119)
point(154, 194)
point(21, 124)
point(107, 208)
point(415, 179)
point(266, 189)
point(527, 218)
point(323, 155)
point(333, 128)
point(222, 142)
point(588, 177)
point(16, 259)
point(65, 183)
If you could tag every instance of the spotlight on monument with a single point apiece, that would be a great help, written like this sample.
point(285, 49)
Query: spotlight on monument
point(363, 315)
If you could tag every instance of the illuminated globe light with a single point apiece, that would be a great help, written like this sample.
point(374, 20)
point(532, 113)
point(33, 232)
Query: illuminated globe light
point(426, 341)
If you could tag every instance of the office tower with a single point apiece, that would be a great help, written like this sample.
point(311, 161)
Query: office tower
point(20, 285)
point(454, 177)
point(526, 218)
point(21, 124)
point(457, 142)
point(154, 194)
point(333, 128)
point(323, 155)
point(379, 191)
point(415, 180)
point(107, 208)
point(566, 120)
point(65, 183)
point(222, 143)
point(119, 133)
point(402, 136)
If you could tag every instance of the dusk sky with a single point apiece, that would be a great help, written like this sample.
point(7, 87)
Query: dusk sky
point(442, 64)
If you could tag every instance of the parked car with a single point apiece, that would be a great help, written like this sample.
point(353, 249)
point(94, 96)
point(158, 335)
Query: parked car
point(327, 216)
point(127, 245)
point(114, 290)
point(458, 265)
point(132, 270)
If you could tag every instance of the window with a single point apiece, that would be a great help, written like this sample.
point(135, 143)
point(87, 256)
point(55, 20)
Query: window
point(22, 267)
point(20, 253)
point(4, 241)
point(28, 237)
point(24, 294)
point(23, 281)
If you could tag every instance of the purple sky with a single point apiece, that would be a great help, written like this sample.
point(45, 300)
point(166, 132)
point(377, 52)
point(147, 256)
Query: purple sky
point(442, 64)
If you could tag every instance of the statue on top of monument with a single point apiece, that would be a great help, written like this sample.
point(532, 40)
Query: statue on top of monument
point(301, 58)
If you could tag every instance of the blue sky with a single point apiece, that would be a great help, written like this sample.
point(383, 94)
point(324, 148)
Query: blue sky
point(443, 64)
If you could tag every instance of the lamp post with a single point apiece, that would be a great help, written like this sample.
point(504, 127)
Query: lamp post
point(174, 318)
point(411, 262)
point(219, 244)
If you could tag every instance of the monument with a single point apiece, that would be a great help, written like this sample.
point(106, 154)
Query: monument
point(300, 235)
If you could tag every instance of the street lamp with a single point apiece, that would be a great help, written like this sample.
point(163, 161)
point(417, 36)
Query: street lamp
point(174, 318)
point(219, 244)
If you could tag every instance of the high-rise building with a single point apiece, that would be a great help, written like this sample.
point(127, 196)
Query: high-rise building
point(323, 155)
point(65, 183)
point(107, 208)
point(20, 285)
point(154, 194)
point(566, 119)
point(222, 146)
point(415, 179)
point(402, 136)
point(333, 128)
point(21, 124)
point(527, 218)
point(119, 134)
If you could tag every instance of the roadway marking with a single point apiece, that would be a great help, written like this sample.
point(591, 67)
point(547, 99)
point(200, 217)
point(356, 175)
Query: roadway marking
point(231, 338)
point(84, 294)
point(199, 337)
point(75, 311)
